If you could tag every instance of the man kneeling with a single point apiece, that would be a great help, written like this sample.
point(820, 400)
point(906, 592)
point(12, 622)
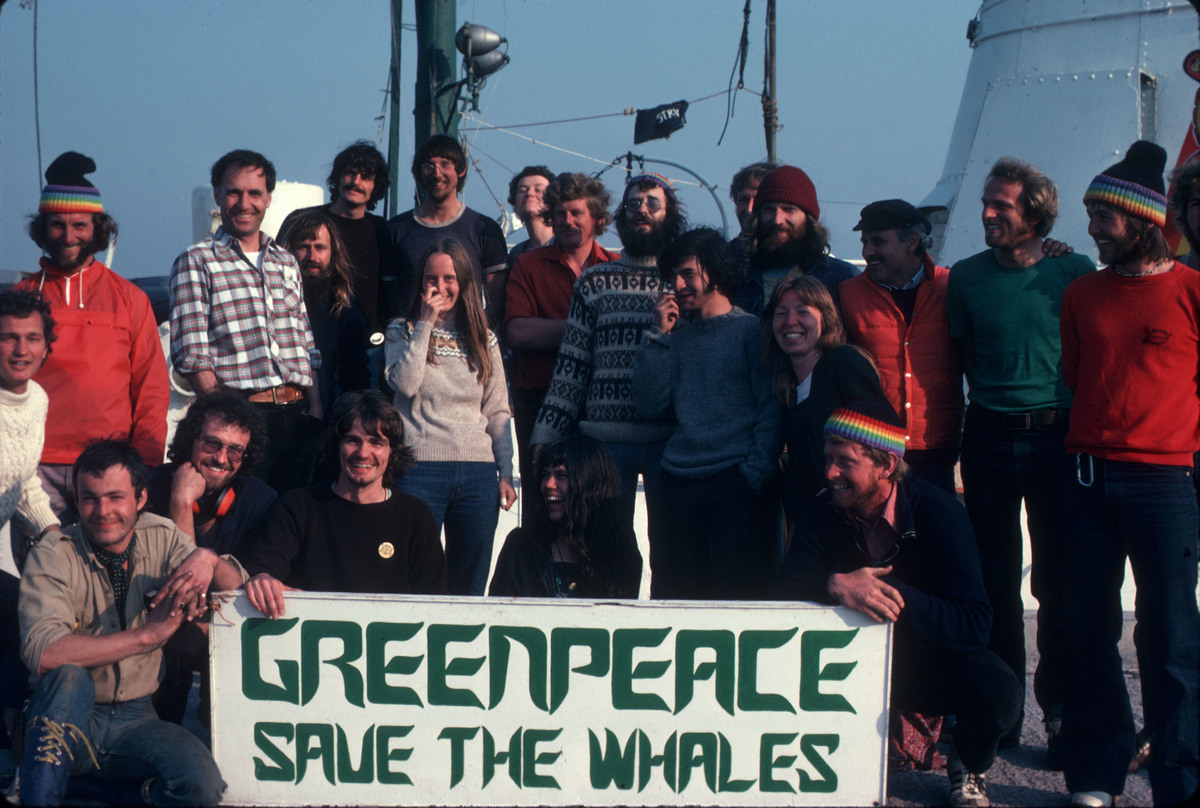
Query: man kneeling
point(902, 551)
point(97, 603)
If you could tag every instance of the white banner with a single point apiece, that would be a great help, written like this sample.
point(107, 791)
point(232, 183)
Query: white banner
point(387, 700)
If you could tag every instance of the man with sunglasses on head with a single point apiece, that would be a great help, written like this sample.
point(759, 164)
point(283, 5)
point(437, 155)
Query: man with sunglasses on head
point(439, 169)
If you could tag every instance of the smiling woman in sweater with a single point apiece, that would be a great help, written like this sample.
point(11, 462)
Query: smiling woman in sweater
point(444, 365)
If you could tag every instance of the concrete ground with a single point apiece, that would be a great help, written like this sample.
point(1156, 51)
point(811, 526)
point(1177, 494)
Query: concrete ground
point(1019, 776)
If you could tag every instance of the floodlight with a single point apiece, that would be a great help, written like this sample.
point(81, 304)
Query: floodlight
point(476, 40)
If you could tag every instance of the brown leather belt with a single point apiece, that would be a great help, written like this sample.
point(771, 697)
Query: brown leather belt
point(283, 394)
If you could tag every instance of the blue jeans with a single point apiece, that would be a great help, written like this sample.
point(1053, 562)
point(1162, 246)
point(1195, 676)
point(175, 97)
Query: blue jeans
point(632, 459)
point(130, 743)
point(1148, 513)
point(1000, 468)
point(465, 497)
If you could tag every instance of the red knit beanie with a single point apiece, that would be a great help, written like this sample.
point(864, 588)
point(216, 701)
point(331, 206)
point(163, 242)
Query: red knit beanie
point(791, 186)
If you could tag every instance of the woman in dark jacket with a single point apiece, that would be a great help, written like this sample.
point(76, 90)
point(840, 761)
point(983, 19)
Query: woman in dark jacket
point(813, 373)
point(574, 543)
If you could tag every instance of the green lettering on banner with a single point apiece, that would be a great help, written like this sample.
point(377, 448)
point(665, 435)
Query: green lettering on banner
point(283, 771)
point(812, 674)
point(829, 782)
point(625, 640)
point(698, 748)
point(492, 758)
point(532, 758)
point(365, 773)
point(749, 644)
point(458, 737)
point(500, 639)
point(687, 672)
point(378, 689)
point(384, 755)
point(648, 761)
point(311, 634)
point(726, 783)
point(253, 686)
point(440, 693)
point(767, 762)
point(562, 640)
point(305, 751)
point(613, 766)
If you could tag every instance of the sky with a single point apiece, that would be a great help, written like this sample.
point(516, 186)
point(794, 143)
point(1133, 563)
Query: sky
point(155, 92)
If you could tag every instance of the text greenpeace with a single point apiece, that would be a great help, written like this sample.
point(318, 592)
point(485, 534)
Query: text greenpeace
point(415, 701)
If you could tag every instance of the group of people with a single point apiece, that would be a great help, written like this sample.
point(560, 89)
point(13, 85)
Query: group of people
point(795, 426)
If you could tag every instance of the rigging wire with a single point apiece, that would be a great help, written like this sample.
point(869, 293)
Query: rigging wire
point(37, 114)
point(739, 66)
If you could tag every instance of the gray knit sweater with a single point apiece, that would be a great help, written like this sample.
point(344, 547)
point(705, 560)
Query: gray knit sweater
point(710, 375)
point(448, 415)
point(611, 306)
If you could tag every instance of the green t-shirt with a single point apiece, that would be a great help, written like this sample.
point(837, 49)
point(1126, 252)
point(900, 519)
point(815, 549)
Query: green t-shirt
point(1007, 322)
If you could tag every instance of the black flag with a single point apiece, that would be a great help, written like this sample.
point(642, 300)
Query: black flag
point(660, 122)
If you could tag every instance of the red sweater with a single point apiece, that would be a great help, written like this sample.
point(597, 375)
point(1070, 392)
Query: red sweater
point(1131, 351)
point(106, 375)
point(919, 366)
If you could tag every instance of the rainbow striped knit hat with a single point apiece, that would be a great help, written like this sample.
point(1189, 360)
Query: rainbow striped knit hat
point(66, 189)
point(649, 176)
point(873, 423)
point(1134, 185)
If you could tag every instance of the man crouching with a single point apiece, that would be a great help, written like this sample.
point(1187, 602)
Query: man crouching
point(902, 551)
point(97, 603)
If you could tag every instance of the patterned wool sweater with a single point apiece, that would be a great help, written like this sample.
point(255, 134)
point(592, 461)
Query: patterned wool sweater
point(448, 414)
point(611, 307)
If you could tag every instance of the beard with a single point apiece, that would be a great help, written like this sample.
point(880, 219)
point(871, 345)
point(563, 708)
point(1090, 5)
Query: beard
point(770, 253)
point(640, 244)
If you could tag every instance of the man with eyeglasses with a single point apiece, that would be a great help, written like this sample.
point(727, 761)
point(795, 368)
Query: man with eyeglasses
point(785, 235)
point(612, 305)
point(901, 550)
point(439, 169)
point(209, 491)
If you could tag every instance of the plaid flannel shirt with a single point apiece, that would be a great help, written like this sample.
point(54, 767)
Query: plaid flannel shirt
point(252, 331)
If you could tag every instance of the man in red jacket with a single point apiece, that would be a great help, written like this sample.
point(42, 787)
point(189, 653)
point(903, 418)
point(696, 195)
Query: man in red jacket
point(896, 311)
point(107, 377)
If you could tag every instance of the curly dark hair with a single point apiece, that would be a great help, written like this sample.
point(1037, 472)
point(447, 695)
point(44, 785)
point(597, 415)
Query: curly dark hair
point(527, 171)
point(376, 414)
point(234, 409)
point(363, 157)
point(21, 304)
point(104, 230)
point(568, 187)
point(713, 254)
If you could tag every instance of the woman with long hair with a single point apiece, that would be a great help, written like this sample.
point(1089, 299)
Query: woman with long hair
point(444, 365)
point(575, 542)
point(813, 373)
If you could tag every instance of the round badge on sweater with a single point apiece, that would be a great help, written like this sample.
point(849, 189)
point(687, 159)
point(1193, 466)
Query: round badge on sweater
point(386, 550)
